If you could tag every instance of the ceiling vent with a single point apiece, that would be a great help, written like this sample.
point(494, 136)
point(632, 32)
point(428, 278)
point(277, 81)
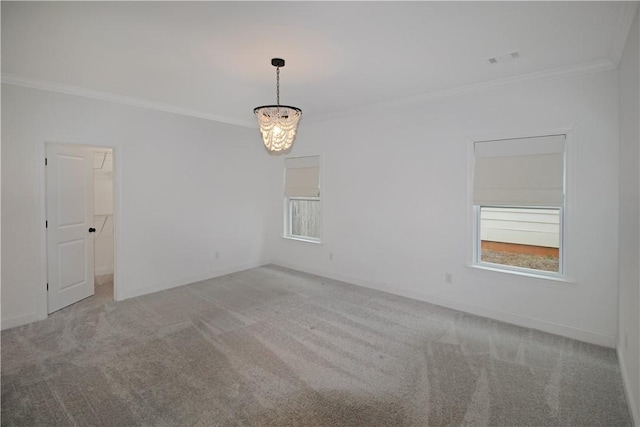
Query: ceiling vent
point(503, 58)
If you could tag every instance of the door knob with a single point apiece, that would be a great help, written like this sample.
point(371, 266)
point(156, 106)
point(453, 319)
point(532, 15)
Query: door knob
point(92, 230)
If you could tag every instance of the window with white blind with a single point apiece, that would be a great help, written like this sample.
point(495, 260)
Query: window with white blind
point(518, 197)
point(302, 198)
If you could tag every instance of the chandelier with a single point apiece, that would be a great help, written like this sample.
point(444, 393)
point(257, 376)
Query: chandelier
point(278, 123)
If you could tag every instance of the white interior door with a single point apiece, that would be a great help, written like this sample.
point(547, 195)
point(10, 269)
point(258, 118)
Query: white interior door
point(70, 231)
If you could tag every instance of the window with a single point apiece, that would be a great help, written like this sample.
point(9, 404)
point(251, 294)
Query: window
point(520, 237)
point(304, 217)
point(518, 197)
point(302, 198)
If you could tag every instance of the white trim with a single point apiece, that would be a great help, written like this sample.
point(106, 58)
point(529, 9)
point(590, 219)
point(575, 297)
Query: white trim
point(503, 316)
point(626, 381)
point(22, 319)
point(626, 15)
point(570, 202)
point(514, 269)
point(118, 239)
point(43, 297)
point(570, 71)
point(568, 233)
point(16, 80)
point(287, 206)
point(509, 269)
point(303, 239)
point(288, 220)
point(519, 134)
point(188, 280)
point(471, 225)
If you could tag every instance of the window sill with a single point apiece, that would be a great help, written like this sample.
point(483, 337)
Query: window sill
point(302, 239)
point(560, 279)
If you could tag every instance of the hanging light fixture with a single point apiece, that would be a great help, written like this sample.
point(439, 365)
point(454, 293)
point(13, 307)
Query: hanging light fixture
point(278, 123)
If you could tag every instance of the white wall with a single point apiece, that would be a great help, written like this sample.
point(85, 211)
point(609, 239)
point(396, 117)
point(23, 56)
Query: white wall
point(629, 309)
point(188, 189)
point(102, 181)
point(396, 210)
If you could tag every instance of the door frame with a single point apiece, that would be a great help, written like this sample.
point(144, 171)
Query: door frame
point(42, 296)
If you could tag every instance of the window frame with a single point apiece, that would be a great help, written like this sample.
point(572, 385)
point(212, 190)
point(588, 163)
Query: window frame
point(568, 230)
point(287, 223)
point(288, 220)
point(477, 253)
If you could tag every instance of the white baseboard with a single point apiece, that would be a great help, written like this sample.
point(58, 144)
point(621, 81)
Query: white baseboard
point(631, 400)
point(22, 319)
point(513, 318)
point(188, 280)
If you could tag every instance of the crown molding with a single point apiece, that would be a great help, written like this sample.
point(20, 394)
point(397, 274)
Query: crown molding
point(570, 71)
point(626, 15)
point(16, 80)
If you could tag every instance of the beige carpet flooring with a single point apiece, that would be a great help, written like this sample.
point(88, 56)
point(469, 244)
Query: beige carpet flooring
point(274, 347)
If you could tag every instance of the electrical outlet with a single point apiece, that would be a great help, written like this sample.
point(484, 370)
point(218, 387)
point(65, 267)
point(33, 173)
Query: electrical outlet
point(448, 278)
point(330, 256)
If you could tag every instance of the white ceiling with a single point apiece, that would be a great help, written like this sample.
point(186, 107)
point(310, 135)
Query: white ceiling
point(212, 59)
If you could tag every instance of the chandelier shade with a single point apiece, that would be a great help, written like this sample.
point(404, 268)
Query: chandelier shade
point(278, 123)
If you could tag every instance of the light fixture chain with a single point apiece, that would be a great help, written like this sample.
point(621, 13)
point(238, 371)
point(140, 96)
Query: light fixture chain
point(278, 85)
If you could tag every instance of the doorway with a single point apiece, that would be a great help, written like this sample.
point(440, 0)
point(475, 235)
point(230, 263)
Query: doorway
point(103, 221)
point(79, 224)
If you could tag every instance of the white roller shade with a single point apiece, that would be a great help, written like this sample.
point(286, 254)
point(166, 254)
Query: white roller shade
point(519, 172)
point(302, 178)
